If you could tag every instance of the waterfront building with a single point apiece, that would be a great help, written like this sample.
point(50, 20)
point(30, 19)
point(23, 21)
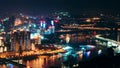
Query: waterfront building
point(3, 48)
point(20, 40)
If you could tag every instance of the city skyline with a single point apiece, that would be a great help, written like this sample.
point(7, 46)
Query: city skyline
point(59, 34)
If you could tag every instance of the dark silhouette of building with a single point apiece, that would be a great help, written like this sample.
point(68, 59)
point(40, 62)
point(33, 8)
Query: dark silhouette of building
point(9, 24)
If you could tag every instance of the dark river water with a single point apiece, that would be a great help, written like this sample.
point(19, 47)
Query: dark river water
point(40, 62)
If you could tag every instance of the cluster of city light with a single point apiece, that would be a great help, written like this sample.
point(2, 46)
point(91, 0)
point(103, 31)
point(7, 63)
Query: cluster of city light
point(5, 19)
point(27, 16)
point(26, 23)
point(34, 35)
point(43, 24)
point(82, 27)
point(51, 28)
point(92, 19)
point(86, 47)
point(29, 53)
point(17, 22)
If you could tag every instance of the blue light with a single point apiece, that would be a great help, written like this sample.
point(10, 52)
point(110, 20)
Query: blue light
point(44, 25)
point(31, 17)
point(83, 48)
point(41, 24)
point(52, 22)
point(34, 18)
point(52, 30)
point(34, 26)
point(10, 65)
point(42, 37)
point(88, 54)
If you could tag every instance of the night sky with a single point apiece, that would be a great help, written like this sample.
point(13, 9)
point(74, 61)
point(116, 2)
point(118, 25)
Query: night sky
point(52, 5)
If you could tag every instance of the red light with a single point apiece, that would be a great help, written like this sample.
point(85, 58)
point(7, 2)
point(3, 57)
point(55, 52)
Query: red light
point(42, 21)
point(94, 33)
point(56, 21)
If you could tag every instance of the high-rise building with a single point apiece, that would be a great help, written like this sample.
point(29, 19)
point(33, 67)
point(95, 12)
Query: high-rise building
point(20, 41)
point(3, 48)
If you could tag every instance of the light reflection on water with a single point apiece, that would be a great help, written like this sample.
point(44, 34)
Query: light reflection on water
point(43, 62)
point(8, 66)
point(40, 62)
point(46, 61)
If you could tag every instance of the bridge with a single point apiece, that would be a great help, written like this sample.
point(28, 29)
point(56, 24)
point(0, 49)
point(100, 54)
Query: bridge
point(91, 30)
point(108, 43)
point(84, 28)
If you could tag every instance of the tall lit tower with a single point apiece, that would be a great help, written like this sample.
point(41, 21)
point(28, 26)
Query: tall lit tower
point(3, 48)
point(20, 39)
point(52, 26)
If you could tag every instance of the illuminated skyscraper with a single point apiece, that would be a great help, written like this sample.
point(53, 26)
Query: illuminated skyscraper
point(20, 40)
point(3, 48)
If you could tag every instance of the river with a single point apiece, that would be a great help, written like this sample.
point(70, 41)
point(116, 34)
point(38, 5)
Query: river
point(54, 61)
